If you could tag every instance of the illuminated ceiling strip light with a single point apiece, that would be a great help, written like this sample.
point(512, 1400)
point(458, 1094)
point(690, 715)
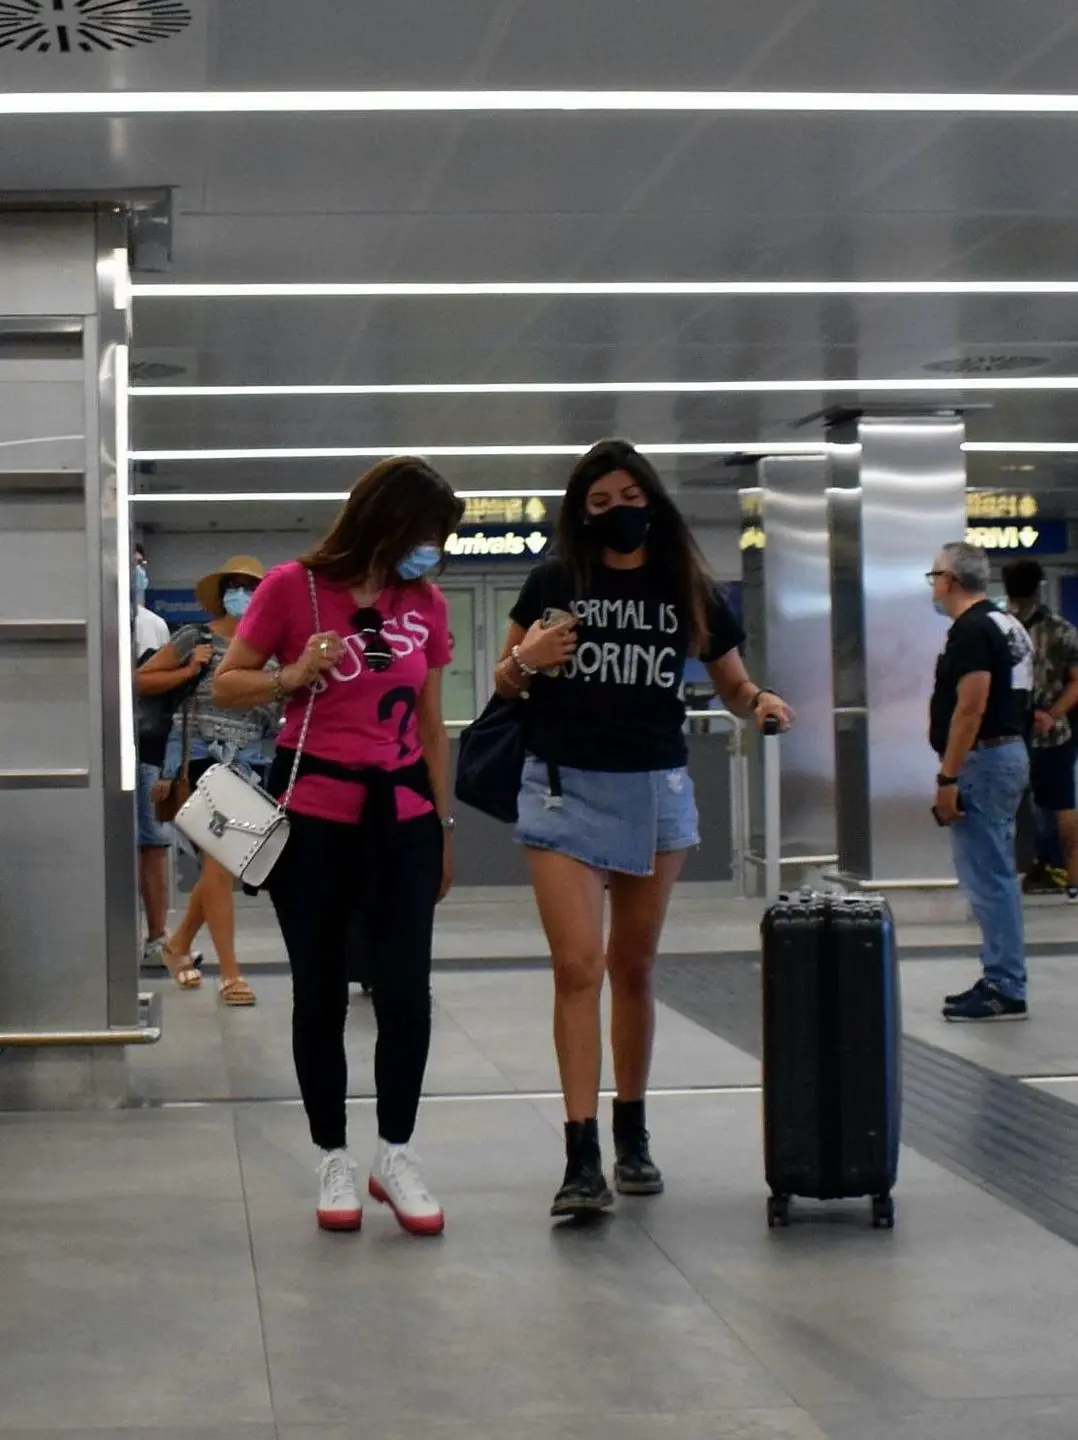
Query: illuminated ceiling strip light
point(345, 452)
point(1021, 447)
point(292, 497)
point(269, 102)
point(611, 387)
point(303, 289)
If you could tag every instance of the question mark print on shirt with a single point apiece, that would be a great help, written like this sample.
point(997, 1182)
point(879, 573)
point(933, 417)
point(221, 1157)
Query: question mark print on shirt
point(405, 697)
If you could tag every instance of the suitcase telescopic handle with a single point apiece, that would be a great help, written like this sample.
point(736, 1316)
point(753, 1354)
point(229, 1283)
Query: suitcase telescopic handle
point(772, 810)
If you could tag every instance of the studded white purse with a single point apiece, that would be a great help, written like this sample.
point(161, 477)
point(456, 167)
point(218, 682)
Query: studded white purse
point(229, 818)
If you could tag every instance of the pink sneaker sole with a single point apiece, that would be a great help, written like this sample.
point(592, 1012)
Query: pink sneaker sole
point(414, 1224)
point(340, 1220)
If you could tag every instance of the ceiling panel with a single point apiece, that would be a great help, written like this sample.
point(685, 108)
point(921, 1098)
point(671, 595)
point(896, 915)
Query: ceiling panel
point(776, 44)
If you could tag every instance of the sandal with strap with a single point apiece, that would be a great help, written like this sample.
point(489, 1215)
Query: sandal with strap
point(236, 992)
point(182, 968)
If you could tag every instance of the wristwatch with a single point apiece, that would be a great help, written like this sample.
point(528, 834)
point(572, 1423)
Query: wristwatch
point(945, 781)
point(449, 824)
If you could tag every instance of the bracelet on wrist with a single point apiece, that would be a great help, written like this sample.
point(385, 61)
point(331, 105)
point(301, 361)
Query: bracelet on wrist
point(754, 703)
point(944, 782)
point(522, 665)
point(277, 686)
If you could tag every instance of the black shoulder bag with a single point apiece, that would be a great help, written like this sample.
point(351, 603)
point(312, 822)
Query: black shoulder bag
point(490, 760)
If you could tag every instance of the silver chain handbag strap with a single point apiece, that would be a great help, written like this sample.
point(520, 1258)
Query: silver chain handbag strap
point(287, 797)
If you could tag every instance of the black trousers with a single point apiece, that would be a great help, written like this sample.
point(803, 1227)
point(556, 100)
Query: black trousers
point(314, 887)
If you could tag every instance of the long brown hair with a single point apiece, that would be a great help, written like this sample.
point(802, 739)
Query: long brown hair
point(397, 505)
point(671, 548)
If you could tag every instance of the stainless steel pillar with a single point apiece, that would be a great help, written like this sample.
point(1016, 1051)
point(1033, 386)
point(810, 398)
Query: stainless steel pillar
point(787, 603)
point(898, 493)
point(69, 930)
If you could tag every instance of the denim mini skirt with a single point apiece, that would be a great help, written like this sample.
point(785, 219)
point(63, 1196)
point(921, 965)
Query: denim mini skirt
point(606, 820)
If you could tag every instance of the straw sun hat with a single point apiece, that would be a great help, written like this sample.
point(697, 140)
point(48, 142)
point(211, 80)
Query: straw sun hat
point(208, 589)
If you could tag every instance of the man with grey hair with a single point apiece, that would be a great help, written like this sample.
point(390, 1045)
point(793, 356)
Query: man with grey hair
point(978, 721)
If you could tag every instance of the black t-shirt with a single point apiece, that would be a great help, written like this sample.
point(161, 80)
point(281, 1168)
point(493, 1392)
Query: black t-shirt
point(984, 639)
point(616, 705)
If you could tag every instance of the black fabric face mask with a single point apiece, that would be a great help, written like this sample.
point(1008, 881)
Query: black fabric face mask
point(622, 528)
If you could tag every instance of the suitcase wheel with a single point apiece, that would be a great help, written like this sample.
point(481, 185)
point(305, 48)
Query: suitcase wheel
point(883, 1213)
point(778, 1212)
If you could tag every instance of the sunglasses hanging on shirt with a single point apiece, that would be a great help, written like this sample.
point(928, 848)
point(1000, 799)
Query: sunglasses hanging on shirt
point(377, 652)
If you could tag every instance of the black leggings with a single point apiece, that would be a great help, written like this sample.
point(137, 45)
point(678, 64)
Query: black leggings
point(314, 887)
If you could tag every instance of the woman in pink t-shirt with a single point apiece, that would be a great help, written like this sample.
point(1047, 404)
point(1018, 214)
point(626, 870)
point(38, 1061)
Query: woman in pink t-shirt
point(371, 825)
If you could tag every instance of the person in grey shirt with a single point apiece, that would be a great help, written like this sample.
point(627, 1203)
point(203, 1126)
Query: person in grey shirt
point(213, 735)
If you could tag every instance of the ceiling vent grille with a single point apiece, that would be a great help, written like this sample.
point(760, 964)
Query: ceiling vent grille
point(71, 27)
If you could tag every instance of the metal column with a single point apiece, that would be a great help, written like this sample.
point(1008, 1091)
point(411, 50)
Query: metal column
point(898, 495)
point(787, 605)
point(69, 951)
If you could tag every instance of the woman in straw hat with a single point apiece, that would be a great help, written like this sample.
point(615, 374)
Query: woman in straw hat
point(213, 735)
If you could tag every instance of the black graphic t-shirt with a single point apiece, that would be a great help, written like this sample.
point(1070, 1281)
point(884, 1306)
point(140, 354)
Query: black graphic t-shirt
point(616, 705)
point(984, 640)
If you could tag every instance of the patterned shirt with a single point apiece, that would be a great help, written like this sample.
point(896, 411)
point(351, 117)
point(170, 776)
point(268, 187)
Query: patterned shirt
point(233, 728)
point(1055, 655)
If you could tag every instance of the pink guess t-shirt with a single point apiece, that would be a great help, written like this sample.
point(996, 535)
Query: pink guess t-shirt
point(361, 717)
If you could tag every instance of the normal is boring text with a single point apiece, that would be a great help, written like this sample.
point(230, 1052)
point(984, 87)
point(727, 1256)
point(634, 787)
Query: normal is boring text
point(625, 661)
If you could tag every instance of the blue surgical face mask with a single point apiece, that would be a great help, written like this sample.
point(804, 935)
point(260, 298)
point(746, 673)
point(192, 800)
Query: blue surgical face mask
point(142, 581)
point(940, 607)
point(422, 560)
point(236, 601)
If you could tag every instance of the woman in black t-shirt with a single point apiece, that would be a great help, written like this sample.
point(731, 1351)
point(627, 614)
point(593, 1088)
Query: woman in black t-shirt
point(606, 796)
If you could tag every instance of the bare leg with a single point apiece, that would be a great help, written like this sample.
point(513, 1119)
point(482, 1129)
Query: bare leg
point(570, 900)
point(183, 937)
point(1068, 842)
point(153, 887)
point(218, 903)
point(638, 906)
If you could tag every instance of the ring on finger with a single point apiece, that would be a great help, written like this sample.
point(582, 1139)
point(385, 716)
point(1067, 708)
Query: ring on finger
point(323, 645)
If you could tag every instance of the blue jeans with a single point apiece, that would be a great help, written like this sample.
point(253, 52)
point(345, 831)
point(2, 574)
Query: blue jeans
point(991, 784)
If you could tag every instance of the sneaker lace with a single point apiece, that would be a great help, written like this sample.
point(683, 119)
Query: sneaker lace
point(402, 1171)
point(338, 1180)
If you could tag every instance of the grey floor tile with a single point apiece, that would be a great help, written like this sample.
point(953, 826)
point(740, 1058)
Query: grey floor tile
point(565, 1322)
point(1027, 1419)
point(782, 1424)
point(1046, 1044)
point(188, 1062)
point(129, 1313)
point(838, 1312)
point(155, 1432)
point(88, 1158)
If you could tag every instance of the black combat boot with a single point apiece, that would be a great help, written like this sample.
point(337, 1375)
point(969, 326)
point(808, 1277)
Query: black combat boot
point(584, 1190)
point(635, 1172)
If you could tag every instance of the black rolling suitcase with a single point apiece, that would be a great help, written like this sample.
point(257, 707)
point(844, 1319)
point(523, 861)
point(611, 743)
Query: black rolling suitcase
point(832, 1038)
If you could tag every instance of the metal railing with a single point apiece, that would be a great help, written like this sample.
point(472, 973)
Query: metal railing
point(146, 1032)
point(731, 729)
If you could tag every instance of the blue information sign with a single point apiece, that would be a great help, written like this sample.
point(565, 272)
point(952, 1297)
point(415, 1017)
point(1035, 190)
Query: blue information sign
point(176, 607)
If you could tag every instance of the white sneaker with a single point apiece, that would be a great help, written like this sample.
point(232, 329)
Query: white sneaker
point(338, 1198)
point(395, 1182)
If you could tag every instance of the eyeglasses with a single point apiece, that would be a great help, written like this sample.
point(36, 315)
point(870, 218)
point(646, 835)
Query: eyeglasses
point(377, 651)
point(933, 575)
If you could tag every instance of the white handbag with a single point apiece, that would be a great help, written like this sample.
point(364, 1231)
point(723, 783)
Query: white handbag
point(233, 821)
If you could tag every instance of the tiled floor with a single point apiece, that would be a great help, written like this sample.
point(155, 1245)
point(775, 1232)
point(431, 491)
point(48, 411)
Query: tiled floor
point(161, 1277)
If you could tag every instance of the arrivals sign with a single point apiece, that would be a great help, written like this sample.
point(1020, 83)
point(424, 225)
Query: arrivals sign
point(1040, 537)
point(525, 544)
